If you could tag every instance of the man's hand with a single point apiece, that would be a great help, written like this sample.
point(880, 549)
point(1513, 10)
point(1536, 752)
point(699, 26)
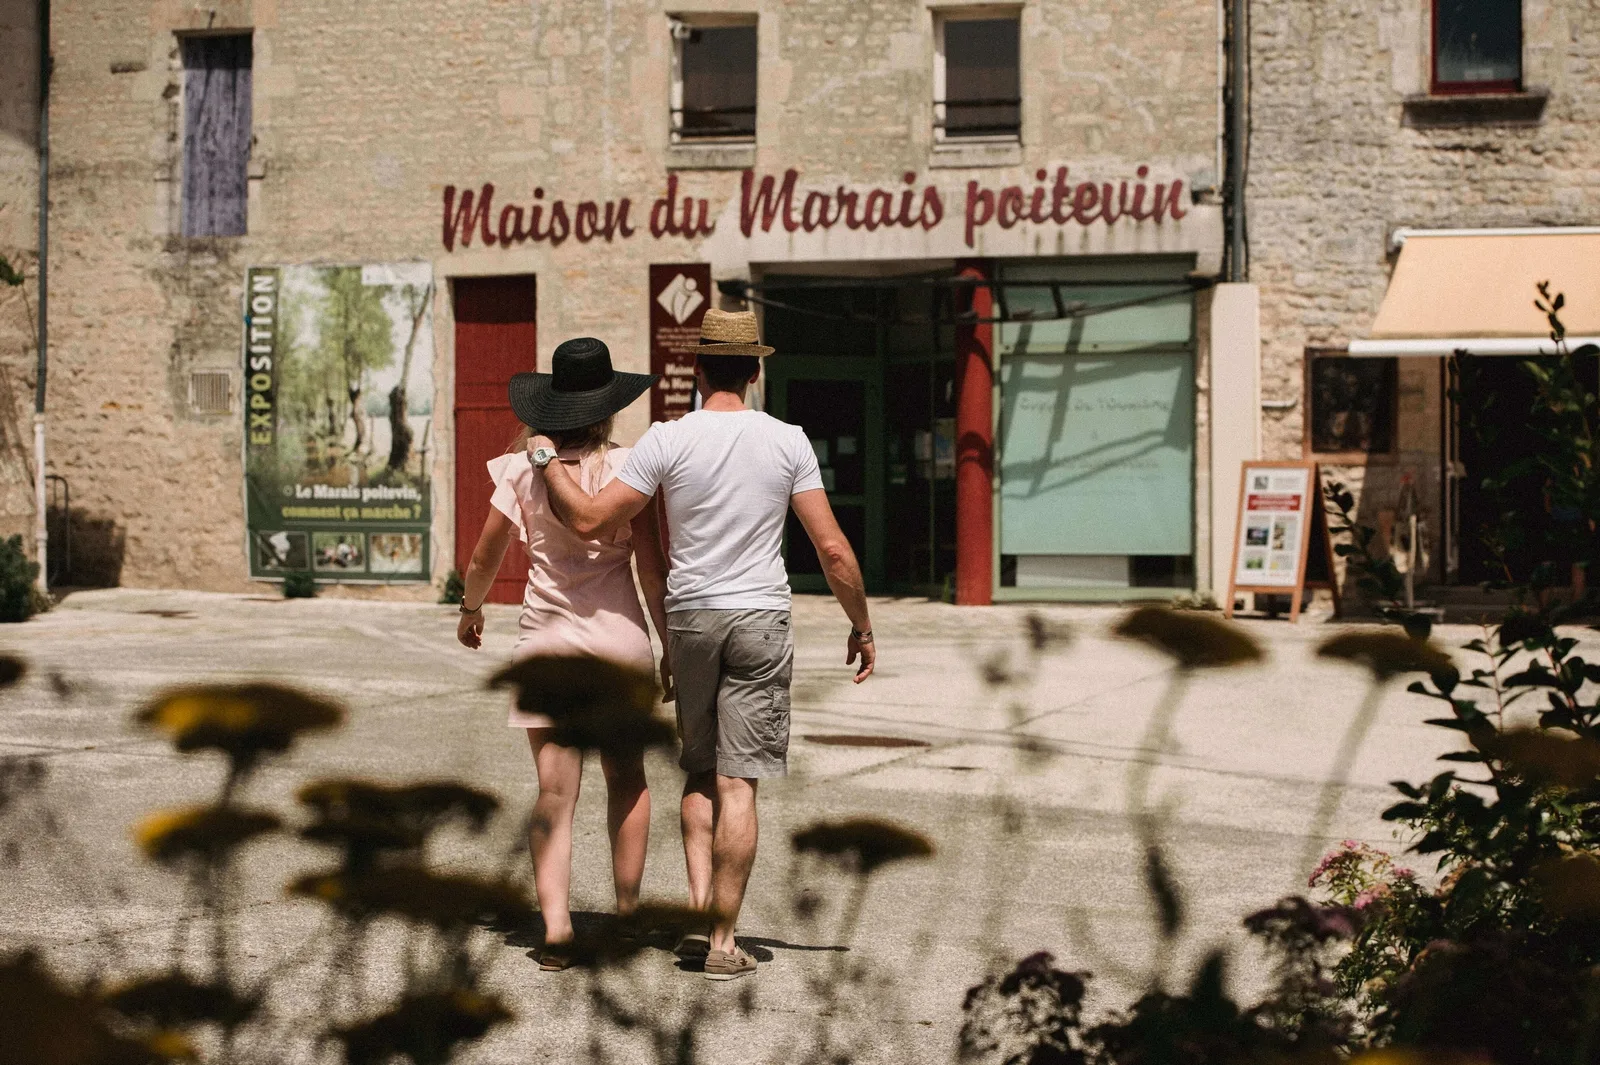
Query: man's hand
point(668, 692)
point(869, 656)
point(469, 630)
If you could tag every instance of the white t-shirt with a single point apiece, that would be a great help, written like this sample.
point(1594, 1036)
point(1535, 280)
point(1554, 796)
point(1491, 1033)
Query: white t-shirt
point(726, 477)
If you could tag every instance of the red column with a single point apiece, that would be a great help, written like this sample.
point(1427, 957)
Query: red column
point(975, 443)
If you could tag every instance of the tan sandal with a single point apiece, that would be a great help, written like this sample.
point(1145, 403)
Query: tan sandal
point(555, 957)
point(692, 946)
point(729, 964)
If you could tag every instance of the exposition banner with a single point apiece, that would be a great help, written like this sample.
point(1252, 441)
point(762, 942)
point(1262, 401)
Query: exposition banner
point(338, 407)
point(679, 296)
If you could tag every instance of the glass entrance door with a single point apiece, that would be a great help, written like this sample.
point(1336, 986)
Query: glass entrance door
point(838, 401)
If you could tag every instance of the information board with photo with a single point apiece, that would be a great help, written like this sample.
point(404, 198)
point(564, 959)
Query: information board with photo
point(1282, 543)
point(338, 408)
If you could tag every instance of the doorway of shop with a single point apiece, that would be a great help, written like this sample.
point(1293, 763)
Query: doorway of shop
point(861, 368)
point(1503, 527)
point(495, 335)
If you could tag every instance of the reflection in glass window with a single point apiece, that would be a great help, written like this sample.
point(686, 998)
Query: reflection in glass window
point(1477, 45)
point(982, 80)
point(716, 91)
point(1352, 405)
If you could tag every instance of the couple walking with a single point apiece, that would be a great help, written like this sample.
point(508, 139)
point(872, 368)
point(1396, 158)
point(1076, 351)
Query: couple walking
point(716, 590)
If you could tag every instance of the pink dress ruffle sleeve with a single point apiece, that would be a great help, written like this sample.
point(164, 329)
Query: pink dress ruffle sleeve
point(580, 597)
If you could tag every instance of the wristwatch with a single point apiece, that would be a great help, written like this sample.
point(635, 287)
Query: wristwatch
point(541, 456)
point(860, 636)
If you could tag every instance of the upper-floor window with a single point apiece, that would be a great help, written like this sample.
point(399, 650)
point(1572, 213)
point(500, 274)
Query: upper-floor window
point(1477, 46)
point(977, 77)
point(216, 134)
point(714, 80)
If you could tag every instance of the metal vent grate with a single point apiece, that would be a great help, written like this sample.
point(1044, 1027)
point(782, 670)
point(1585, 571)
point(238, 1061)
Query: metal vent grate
point(209, 391)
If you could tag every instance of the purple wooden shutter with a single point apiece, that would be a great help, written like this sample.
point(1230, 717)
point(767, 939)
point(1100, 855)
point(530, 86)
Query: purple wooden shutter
point(216, 135)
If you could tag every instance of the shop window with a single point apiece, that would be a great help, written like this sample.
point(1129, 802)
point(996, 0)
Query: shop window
point(977, 78)
point(1352, 406)
point(216, 134)
point(1477, 46)
point(714, 80)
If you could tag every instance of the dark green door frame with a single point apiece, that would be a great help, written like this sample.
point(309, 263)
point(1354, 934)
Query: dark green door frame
point(780, 370)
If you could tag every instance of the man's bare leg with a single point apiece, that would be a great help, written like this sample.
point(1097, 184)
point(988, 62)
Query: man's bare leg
point(733, 852)
point(698, 815)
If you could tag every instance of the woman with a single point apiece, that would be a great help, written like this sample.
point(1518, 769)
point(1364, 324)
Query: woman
point(579, 599)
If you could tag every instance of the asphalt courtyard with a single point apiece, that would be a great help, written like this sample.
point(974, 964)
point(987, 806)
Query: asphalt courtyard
point(1015, 765)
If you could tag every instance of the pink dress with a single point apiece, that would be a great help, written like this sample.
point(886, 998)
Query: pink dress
point(580, 597)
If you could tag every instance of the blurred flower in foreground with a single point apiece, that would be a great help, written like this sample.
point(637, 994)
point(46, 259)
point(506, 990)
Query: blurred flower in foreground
point(175, 1000)
point(1194, 640)
point(1543, 757)
point(43, 1022)
point(597, 705)
point(244, 721)
point(365, 818)
point(1388, 654)
point(205, 834)
point(616, 942)
point(424, 1028)
point(437, 899)
point(862, 844)
point(1570, 886)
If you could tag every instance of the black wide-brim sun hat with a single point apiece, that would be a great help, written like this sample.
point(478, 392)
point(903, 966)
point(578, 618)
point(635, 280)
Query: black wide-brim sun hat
point(581, 388)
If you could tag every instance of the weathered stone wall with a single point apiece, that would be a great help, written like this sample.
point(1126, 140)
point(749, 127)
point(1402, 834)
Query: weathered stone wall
point(19, 244)
point(364, 113)
point(1333, 171)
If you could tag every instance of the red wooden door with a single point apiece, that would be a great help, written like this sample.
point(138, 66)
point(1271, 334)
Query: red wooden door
point(494, 339)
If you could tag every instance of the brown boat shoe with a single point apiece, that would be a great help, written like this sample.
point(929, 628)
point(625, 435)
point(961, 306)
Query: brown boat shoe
point(729, 964)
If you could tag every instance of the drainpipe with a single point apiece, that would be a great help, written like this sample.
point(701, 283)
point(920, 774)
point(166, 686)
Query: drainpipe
point(41, 528)
point(1238, 141)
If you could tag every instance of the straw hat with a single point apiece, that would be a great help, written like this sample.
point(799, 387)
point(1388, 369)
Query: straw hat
point(731, 333)
point(581, 390)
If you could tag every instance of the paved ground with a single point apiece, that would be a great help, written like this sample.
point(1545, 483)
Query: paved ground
point(1021, 784)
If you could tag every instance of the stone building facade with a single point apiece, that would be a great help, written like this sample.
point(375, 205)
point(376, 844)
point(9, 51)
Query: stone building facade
point(370, 128)
point(1350, 143)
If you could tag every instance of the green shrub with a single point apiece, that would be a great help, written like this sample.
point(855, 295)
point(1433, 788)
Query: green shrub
point(299, 586)
point(19, 599)
point(454, 588)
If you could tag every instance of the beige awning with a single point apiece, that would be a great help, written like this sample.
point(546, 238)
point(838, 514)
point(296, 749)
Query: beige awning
point(1474, 289)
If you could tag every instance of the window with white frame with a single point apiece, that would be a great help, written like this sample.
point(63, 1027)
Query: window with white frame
point(977, 76)
point(714, 78)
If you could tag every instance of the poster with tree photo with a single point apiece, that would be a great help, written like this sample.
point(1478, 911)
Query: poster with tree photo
point(338, 407)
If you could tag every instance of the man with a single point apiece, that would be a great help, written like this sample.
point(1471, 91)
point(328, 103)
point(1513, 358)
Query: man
point(728, 476)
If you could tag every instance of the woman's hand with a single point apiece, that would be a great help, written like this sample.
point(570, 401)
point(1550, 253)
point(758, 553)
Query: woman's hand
point(668, 692)
point(469, 630)
point(539, 440)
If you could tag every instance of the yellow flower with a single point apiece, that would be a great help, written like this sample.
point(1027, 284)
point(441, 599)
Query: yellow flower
point(1387, 653)
point(862, 844)
point(1195, 640)
point(206, 833)
point(244, 721)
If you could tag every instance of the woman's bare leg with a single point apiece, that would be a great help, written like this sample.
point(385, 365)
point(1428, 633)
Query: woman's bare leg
point(628, 822)
point(560, 773)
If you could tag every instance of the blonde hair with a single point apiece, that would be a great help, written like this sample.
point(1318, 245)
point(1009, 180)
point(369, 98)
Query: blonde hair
point(592, 440)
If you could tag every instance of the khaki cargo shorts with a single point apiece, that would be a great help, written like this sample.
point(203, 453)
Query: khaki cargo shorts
point(732, 670)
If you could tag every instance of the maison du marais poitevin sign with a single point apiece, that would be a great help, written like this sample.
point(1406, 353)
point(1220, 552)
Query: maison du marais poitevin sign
point(491, 217)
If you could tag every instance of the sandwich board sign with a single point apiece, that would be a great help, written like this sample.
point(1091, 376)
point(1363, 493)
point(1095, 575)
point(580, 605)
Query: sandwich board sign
point(1281, 545)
